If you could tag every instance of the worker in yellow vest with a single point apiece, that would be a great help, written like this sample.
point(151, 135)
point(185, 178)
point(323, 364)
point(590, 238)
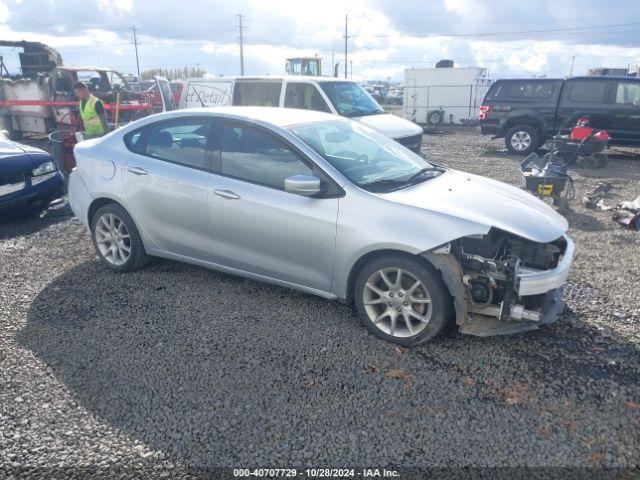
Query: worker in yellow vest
point(94, 120)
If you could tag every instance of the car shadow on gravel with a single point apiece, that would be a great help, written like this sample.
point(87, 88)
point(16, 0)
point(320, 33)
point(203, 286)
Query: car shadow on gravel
point(33, 222)
point(213, 370)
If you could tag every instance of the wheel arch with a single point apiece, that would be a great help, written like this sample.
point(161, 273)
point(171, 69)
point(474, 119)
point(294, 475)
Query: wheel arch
point(369, 256)
point(98, 203)
point(523, 116)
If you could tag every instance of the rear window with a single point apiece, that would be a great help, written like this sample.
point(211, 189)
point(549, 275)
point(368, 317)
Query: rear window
point(587, 91)
point(257, 94)
point(529, 89)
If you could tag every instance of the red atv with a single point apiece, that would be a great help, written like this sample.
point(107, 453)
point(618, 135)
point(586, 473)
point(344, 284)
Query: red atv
point(583, 147)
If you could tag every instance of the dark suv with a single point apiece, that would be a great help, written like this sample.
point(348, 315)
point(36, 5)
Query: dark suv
point(528, 111)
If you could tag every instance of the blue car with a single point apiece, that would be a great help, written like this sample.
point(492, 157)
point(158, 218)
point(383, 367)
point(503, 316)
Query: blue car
point(29, 178)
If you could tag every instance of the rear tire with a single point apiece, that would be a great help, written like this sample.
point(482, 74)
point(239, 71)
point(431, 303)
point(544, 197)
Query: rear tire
point(435, 117)
point(522, 139)
point(116, 239)
point(601, 159)
point(407, 311)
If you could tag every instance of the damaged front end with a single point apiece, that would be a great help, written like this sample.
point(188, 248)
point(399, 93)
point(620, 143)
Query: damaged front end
point(502, 283)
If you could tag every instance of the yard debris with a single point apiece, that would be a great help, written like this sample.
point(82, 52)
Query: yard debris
point(596, 195)
point(397, 373)
point(632, 404)
point(627, 214)
point(469, 382)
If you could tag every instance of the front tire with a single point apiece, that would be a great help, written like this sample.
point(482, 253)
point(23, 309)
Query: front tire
point(402, 300)
point(116, 239)
point(521, 139)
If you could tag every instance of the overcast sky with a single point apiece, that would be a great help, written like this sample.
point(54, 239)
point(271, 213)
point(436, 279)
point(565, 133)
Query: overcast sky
point(510, 37)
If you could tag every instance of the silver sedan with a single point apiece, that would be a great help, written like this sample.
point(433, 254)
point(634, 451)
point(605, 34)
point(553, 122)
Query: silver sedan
point(328, 206)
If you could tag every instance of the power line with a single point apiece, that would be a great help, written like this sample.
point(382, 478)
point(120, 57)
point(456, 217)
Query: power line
point(486, 34)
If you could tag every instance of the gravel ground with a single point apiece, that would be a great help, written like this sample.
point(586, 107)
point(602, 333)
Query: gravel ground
point(175, 369)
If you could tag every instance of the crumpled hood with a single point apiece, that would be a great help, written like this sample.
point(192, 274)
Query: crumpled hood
point(390, 125)
point(485, 201)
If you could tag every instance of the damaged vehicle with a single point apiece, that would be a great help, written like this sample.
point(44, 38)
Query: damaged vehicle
point(29, 179)
point(325, 205)
point(39, 97)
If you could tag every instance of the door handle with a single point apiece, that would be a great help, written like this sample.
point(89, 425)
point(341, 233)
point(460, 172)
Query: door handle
point(137, 170)
point(228, 194)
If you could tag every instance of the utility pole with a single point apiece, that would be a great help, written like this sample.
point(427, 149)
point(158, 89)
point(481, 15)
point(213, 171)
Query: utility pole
point(240, 28)
point(573, 60)
point(346, 37)
point(333, 60)
point(351, 65)
point(135, 43)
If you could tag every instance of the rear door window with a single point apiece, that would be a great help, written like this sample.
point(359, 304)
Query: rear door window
point(182, 141)
point(530, 89)
point(305, 96)
point(587, 91)
point(257, 94)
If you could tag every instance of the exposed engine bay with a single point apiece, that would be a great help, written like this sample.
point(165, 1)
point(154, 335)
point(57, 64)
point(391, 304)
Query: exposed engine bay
point(485, 275)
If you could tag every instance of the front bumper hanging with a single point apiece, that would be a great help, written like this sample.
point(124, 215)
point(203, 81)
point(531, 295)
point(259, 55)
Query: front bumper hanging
point(508, 316)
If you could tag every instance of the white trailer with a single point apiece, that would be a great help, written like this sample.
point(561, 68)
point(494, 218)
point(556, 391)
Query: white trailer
point(444, 95)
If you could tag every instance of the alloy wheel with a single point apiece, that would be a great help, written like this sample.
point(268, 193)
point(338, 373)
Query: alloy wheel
point(397, 302)
point(113, 239)
point(520, 140)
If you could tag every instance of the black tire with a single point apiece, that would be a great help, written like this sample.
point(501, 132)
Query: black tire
point(441, 304)
point(435, 117)
point(138, 256)
point(515, 139)
point(16, 135)
point(601, 159)
point(588, 162)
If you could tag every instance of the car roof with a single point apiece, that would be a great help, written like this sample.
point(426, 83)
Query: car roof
point(281, 117)
point(584, 77)
point(528, 79)
point(276, 78)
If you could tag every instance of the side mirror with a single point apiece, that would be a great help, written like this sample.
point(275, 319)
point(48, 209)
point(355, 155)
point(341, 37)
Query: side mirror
point(305, 185)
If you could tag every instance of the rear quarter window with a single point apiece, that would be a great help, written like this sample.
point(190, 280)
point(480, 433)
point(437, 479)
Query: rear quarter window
point(257, 94)
point(133, 141)
point(524, 90)
point(587, 91)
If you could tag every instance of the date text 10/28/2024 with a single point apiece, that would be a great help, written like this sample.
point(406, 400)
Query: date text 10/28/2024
point(315, 473)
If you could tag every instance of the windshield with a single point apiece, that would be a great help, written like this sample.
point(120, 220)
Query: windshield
point(367, 158)
point(350, 99)
point(6, 144)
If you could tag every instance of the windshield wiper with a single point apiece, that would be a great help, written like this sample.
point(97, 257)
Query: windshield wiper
point(422, 171)
point(365, 113)
point(386, 184)
point(394, 183)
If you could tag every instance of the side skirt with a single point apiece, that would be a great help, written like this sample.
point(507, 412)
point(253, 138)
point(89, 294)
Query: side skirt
point(242, 273)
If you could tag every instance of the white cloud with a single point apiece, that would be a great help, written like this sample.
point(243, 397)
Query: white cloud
point(279, 29)
point(209, 48)
point(120, 6)
point(4, 12)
